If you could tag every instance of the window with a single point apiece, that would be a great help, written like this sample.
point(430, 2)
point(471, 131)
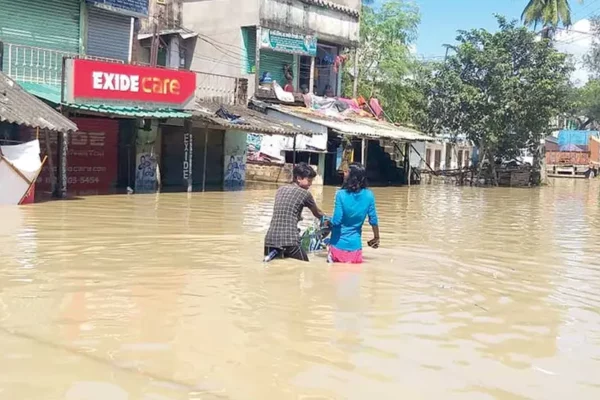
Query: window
point(428, 157)
point(459, 161)
point(438, 160)
point(249, 47)
point(466, 158)
point(302, 156)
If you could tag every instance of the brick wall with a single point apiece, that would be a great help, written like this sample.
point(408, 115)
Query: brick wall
point(274, 173)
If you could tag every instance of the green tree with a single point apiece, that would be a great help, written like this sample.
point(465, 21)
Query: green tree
point(584, 105)
point(384, 57)
point(592, 58)
point(547, 13)
point(499, 89)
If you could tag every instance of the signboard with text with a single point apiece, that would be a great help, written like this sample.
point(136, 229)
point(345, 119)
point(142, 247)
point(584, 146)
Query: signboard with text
point(91, 158)
point(288, 42)
point(133, 8)
point(98, 82)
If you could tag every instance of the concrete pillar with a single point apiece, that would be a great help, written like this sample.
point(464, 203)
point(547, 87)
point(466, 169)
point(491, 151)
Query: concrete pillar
point(63, 145)
point(174, 57)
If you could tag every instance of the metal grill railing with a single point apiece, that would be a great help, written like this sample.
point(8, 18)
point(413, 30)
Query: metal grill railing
point(37, 65)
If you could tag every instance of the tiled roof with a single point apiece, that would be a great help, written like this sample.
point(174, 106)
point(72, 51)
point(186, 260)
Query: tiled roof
point(252, 121)
point(333, 6)
point(19, 107)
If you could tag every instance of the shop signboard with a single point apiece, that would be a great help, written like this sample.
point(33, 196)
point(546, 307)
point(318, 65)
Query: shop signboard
point(288, 42)
point(98, 82)
point(133, 8)
point(91, 158)
point(187, 159)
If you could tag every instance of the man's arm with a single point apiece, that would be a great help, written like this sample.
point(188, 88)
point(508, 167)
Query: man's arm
point(312, 206)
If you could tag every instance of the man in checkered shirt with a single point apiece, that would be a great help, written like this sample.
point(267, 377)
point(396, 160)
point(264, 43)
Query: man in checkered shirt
point(283, 234)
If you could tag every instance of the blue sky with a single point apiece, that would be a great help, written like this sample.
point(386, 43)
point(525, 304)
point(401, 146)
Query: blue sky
point(440, 19)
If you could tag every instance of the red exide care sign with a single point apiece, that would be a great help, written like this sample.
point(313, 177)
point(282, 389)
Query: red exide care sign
point(89, 81)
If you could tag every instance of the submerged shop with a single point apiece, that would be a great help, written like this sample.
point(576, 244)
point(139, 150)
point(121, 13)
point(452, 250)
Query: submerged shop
point(119, 109)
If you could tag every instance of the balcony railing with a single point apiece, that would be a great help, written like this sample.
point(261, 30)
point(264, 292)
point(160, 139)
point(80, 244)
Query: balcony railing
point(44, 66)
point(37, 65)
point(215, 88)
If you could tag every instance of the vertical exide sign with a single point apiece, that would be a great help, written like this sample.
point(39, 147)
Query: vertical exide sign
point(187, 160)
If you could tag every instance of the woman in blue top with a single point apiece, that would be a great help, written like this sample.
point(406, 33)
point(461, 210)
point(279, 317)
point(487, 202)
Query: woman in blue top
point(353, 203)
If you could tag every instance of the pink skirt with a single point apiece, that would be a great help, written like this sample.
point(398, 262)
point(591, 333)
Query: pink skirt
point(346, 257)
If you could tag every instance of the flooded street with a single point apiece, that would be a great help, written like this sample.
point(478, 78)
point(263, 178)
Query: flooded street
point(475, 294)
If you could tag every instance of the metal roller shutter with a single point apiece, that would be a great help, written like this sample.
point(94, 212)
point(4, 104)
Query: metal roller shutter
point(49, 24)
point(273, 62)
point(108, 34)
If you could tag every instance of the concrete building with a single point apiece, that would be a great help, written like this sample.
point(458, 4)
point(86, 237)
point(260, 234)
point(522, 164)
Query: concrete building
point(291, 42)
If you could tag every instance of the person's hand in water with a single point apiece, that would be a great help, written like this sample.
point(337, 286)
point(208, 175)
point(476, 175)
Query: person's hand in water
point(374, 243)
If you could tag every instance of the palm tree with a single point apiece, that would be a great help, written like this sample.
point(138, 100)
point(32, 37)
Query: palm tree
point(548, 13)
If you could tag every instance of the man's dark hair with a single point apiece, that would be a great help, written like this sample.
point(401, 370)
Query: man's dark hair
point(357, 178)
point(303, 170)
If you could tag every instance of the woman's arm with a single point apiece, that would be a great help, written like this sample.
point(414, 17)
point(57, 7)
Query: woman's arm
point(338, 210)
point(374, 222)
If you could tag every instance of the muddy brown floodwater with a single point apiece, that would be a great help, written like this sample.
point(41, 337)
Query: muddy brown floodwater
point(475, 294)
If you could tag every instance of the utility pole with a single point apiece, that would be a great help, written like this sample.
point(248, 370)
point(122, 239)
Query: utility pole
point(155, 40)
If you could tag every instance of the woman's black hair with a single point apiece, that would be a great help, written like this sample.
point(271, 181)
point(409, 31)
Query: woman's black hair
point(303, 170)
point(357, 178)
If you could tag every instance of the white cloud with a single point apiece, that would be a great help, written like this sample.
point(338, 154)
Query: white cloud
point(577, 41)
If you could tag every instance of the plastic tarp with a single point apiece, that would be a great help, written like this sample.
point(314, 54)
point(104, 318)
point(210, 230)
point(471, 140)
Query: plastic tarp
point(570, 147)
point(20, 166)
point(577, 138)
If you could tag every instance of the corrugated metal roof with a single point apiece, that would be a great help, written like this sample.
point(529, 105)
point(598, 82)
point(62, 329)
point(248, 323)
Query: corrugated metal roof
point(19, 107)
point(52, 94)
point(253, 121)
point(359, 126)
point(333, 6)
point(183, 32)
point(134, 112)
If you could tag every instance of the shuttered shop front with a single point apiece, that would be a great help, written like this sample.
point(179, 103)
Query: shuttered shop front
point(273, 63)
point(49, 24)
point(46, 24)
point(108, 34)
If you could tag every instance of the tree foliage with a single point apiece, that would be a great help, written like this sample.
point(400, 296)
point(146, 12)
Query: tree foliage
point(384, 56)
point(499, 89)
point(547, 13)
point(592, 58)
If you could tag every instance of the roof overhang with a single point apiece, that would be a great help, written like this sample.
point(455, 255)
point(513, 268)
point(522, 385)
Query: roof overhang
point(359, 127)
point(17, 106)
point(249, 120)
point(182, 32)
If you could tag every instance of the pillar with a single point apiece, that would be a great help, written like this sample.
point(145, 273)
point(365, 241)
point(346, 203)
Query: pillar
point(63, 146)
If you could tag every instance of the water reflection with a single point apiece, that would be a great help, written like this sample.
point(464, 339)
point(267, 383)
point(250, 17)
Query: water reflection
point(475, 293)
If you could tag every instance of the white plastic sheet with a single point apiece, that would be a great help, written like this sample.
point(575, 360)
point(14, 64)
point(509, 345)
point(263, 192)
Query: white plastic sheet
point(19, 167)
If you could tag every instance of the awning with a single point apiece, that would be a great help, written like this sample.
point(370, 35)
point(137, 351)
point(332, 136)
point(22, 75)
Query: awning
point(358, 126)
point(19, 107)
point(182, 32)
point(52, 94)
point(249, 120)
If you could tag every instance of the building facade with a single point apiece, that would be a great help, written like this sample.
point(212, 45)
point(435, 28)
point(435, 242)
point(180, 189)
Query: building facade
point(295, 44)
point(139, 126)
